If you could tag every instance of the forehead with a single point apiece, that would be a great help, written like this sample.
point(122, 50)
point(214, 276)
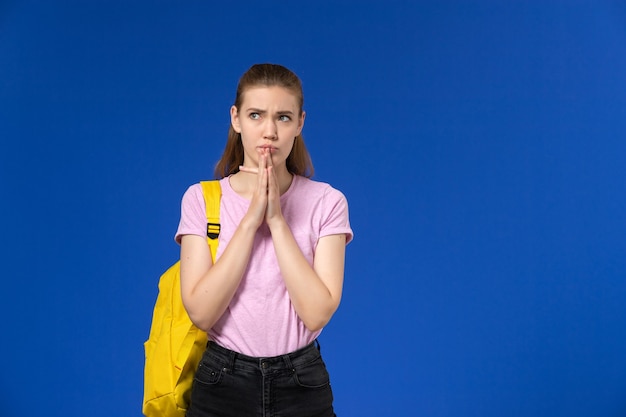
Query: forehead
point(274, 96)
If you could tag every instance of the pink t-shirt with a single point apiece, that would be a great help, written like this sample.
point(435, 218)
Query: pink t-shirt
point(260, 320)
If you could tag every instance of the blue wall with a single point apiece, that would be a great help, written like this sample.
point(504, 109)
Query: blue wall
point(481, 145)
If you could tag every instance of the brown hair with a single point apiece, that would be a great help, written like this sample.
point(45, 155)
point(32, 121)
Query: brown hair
point(268, 75)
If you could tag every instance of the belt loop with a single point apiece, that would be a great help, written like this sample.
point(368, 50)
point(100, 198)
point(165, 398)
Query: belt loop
point(288, 363)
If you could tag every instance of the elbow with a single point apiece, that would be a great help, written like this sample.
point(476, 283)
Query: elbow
point(316, 321)
point(315, 325)
point(199, 319)
point(202, 323)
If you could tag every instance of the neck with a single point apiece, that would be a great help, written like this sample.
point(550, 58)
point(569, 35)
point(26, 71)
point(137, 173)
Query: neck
point(284, 179)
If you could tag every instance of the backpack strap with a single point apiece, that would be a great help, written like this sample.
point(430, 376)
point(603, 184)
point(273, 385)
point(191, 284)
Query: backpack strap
point(212, 195)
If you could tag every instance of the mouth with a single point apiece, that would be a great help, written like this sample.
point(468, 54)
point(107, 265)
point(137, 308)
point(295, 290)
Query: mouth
point(270, 148)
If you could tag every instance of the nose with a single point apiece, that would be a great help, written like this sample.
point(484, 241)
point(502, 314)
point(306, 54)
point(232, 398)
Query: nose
point(270, 132)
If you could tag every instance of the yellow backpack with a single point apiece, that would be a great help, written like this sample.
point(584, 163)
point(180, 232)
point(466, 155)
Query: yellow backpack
point(175, 346)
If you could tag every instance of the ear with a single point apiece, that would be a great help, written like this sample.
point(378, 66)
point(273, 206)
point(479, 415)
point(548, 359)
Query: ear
point(234, 119)
point(301, 122)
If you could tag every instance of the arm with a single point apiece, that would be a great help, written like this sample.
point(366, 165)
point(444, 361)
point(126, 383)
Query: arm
point(208, 288)
point(314, 291)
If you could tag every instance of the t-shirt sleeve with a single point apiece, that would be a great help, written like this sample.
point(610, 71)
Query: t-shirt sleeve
point(336, 219)
point(192, 214)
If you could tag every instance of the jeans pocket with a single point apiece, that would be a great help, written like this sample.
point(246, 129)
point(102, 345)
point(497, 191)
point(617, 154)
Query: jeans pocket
point(312, 375)
point(209, 374)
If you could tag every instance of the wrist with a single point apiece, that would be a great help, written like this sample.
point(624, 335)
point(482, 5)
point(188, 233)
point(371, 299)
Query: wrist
point(249, 224)
point(277, 224)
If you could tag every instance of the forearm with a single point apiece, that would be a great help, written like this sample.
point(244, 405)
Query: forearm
point(312, 299)
point(207, 295)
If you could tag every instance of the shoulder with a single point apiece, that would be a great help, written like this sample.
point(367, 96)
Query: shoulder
point(193, 195)
point(330, 208)
point(318, 189)
point(192, 213)
point(320, 197)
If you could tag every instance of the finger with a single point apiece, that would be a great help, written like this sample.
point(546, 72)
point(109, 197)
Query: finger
point(248, 169)
point(273, 186)
point(270, 160)
point(263, 171)
point(271, 191)
point(271, 179)
point(262, 160)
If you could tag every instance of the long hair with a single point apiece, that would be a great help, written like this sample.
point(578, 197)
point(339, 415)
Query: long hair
point(266, 75)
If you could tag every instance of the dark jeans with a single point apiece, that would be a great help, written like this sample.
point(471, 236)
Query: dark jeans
point(231, 384)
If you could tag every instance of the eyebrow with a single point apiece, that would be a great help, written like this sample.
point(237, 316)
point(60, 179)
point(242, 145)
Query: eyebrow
point(255, 110)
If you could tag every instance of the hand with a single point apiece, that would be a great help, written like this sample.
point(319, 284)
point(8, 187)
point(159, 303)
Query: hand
point(273, 213)
point(258, 205)
point(267, 187)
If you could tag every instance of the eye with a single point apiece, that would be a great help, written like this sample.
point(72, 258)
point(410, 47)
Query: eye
point(284, 118)
point(254, 116)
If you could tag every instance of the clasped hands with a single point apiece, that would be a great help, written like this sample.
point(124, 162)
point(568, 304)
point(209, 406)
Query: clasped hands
point(265, 203)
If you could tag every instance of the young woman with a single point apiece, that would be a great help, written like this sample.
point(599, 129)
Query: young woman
point(278, 274)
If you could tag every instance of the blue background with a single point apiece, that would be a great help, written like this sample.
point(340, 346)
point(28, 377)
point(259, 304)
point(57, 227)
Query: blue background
point(481, 145)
